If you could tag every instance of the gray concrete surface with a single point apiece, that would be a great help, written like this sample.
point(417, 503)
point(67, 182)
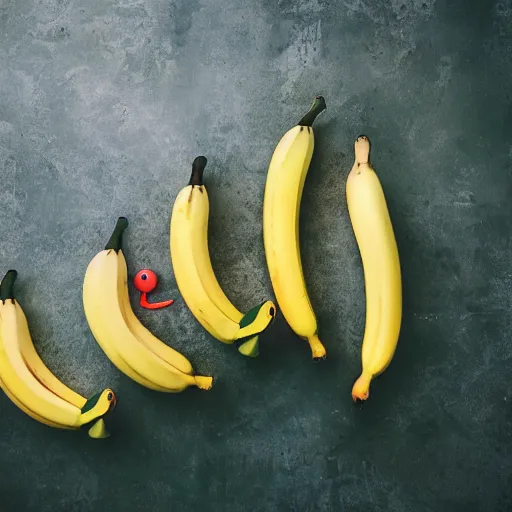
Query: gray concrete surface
point(104, 105)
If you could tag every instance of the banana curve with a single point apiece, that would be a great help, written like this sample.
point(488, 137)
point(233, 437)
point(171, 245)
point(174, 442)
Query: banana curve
point(38, 368)
point(201, 251)
point(145, 336)
point(20, 381)
point(93, 312)
point(186, 273)
point(28, 411)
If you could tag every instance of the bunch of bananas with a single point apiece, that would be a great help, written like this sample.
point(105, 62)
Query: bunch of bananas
point(132, 348)
point(281, 209)
point(27, 381)
point(137, 353)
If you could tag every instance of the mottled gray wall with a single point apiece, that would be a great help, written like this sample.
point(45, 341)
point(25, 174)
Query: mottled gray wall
point(103, 106)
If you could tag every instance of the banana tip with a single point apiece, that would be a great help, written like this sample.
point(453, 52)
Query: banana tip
point(204, 383)
point(317, 349)
point(359, 398)
point(361, 388)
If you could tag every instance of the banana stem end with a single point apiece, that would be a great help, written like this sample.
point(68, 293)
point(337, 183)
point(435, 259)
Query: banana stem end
point(198, 165)
point(7, 285)
point(116, 239)
point(317, 108)
point(362, 150)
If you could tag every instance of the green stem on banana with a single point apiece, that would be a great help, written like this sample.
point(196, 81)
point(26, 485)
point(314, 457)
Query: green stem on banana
point(198, 165)
point(7, 284)
point(318, 107)
point(116, 239)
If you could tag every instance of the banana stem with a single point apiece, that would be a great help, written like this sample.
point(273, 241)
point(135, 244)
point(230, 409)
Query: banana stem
point(318, 107)
point(317, 349)
point(7, 285)
point(198, 165)
point(116, 239)
point(362, 150)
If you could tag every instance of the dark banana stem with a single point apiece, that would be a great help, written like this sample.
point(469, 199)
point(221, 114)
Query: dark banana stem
point(7, 285)
point(198, 165)
point(116, 239)
point(318, 107)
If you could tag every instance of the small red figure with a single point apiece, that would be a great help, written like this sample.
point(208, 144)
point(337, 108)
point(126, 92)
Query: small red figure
point(145, 281)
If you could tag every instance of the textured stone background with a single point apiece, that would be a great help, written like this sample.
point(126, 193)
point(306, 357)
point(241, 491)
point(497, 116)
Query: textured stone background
point(103, 106)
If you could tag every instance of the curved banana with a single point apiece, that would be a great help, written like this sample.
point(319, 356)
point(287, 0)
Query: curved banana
point(373, 230)
point(195, 277)
point(128, 344)
point(39, 369)
point(281, 207)
point(27, 411)
point(30, 384)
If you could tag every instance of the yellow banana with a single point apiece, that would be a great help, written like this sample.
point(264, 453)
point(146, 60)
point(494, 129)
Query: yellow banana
point(106, 306)
point(27, 411)
point(373, 230)
point(107, 343)
point(281, 206)
point(33, 391)
point(194, 274)
point(39, 369)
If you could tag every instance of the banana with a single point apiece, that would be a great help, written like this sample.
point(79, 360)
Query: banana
point(39, 369)
point(195, 277)
point(126, 342)
point(29, 383)
point(374, 234)
point(28, 412)
point(281, 206)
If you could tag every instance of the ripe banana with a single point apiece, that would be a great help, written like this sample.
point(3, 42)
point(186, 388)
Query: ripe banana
point(195, 276)
point(283, 192)
point(383, 287)
point(126, 342)
point(29, 383)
